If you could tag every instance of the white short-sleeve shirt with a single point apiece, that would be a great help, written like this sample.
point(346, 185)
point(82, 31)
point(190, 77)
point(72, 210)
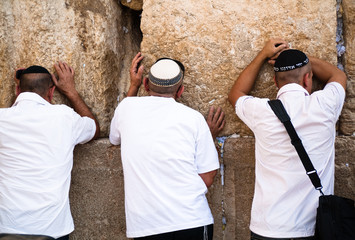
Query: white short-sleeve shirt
point(36, 157)
point(285, 200)
point(164, 146)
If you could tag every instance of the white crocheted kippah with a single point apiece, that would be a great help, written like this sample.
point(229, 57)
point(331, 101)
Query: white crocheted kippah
point(165, 73)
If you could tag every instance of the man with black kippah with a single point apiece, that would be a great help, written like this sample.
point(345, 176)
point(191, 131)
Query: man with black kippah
point(37, 140)
point(168, 155)
point(285, 201)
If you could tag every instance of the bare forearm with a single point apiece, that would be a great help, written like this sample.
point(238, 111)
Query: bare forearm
point(326, 72)
point(132, 91)
point(245, 82)
point(208, 177)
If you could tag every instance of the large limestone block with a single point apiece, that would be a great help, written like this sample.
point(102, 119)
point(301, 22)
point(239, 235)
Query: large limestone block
point(97, 192)
point(347, 120)
point(217, 39)
point(345, 167)
point(237, 192)
point(6, 49)
point(95, 37)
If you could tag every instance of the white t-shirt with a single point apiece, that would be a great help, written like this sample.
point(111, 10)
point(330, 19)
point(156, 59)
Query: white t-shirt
point(285, 200)
point(36, 157)
point(164, 146)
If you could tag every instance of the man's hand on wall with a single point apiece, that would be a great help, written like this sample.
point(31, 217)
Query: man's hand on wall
point(136, 75)
point(215, 121)
point(65, 82)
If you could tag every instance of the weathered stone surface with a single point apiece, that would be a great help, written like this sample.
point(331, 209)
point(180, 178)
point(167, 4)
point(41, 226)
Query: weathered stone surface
point(133, 4)
point(217, 39)
point(97, 192)
point(95, 37)
point(345, 167)
point(239, 186)
point(347, 119)
point(7, 89)
point(214, 39)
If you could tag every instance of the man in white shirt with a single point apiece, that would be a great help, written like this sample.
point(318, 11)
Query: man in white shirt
point(285, 201)
point(168, 155)
point(37, 140)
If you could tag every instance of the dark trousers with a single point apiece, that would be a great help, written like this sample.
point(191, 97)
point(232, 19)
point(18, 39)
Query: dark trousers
point(199, 233)
point(66, 237)
point(254, 236)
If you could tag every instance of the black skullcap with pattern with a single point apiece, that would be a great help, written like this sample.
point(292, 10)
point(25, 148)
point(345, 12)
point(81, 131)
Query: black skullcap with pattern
point(290, 59)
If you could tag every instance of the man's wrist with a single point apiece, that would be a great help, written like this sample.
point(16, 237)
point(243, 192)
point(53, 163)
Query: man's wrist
point(133, 90)
point(73, 94)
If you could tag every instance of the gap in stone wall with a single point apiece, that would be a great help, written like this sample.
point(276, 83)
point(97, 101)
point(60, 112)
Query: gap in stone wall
point(339, 35)
point(132, 38)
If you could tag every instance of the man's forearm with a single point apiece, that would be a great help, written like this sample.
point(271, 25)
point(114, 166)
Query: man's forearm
point(326, 72)
point(245, 82)
point(132, 91)
point(208, 177)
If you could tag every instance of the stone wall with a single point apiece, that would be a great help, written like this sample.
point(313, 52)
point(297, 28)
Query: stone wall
point(215, 40)
point(98, 38)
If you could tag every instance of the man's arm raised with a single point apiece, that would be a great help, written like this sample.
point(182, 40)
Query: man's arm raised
point(326, 72)
point(66, 86)
point(245, 82)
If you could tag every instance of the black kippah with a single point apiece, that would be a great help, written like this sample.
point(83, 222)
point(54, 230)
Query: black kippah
point(289, 60)
point(32, 69)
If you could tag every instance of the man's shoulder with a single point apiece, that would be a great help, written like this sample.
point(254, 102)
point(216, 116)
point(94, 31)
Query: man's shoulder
point(248, 99)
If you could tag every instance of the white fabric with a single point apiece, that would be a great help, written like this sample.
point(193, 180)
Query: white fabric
point(36, 157)
point(164, 146)
point(285, 200)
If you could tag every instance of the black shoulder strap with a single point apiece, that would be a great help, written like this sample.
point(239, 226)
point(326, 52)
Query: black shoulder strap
point(280, 112)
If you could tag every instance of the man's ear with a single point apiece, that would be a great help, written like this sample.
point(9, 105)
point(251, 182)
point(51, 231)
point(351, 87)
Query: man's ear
point(146, 84)
point(18, 90)
point(306, 80)
point(50, 94)
point(275, 81)
point(179, 91)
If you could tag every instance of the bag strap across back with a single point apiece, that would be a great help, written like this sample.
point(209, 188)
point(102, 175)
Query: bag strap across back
point(280, 112)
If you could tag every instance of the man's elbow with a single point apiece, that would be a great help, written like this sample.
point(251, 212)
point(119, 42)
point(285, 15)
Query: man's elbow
point(97, 131)
point(343, 79)
point(208, 178)
point(232, 99)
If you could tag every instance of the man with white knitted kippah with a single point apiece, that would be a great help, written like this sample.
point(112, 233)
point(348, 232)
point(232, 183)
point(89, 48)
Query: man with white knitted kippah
point(168, 156)
point(285, 201)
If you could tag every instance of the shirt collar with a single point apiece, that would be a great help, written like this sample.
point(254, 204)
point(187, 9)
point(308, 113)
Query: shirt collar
point(292, 87)
point(30, 96)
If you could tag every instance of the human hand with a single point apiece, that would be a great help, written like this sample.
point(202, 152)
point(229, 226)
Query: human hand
point(215, 121)
point(65, 82)
point(273, 48)
point(136, 75)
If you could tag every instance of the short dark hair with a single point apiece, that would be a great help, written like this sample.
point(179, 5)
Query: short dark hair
point(36, 82)
point(35, 79)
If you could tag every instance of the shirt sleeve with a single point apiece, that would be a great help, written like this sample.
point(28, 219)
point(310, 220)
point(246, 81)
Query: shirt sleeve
point(206, 153)
point(244, 108)
point(114, 136)
point(84, 128)
point(332, 97)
